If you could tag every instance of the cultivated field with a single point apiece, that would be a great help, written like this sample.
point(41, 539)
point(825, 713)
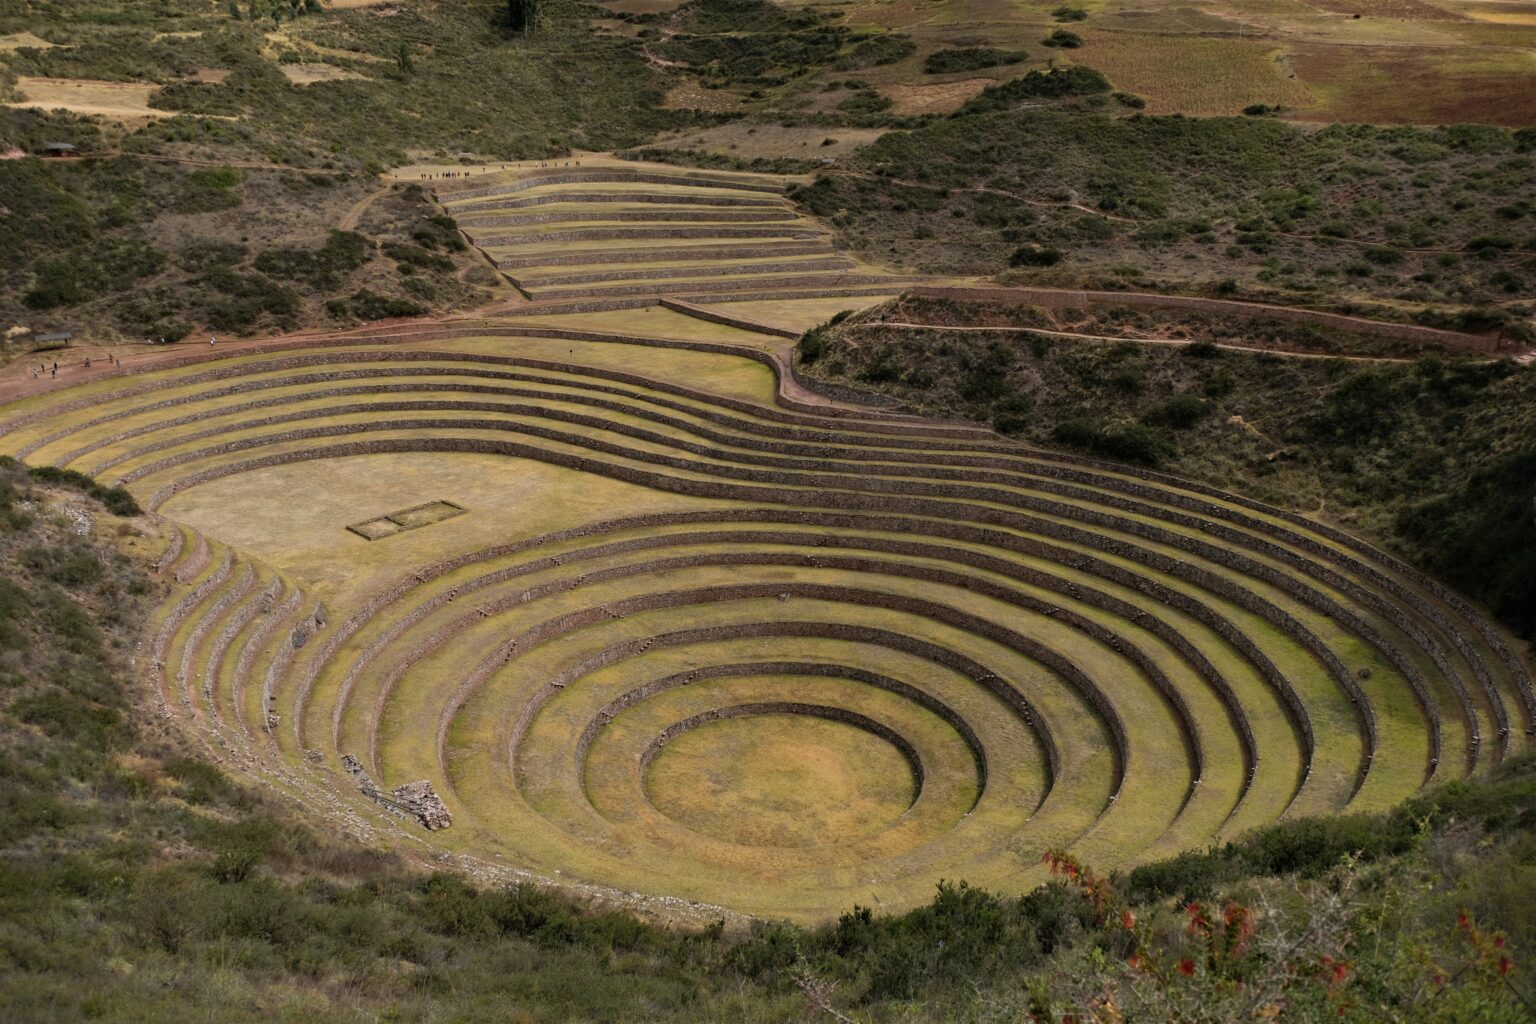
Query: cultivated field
point(1384, 61)
point(593, 230)
point(645, 622)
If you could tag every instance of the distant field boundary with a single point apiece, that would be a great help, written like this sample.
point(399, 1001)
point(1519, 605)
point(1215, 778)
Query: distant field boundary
point(1062, 298)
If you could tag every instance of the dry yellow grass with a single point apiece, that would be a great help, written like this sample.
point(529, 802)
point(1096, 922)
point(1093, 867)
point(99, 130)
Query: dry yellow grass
point(1193, 75)
point(934, 97)
point(123, 101)
point(23, 41)
point(309, 74)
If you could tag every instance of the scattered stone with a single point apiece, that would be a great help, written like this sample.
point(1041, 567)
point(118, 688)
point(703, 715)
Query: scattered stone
point(412, 800)
point(428, 807)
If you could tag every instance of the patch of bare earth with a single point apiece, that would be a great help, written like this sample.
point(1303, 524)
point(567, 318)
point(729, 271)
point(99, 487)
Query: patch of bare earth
point(310, 74)
point(692, 96)
point(934, 97)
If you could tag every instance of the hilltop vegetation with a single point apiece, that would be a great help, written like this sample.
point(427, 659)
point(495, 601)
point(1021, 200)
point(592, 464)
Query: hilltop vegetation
point(1071, 196)
point(152, 250)
point(418, 76)
point(163, 231)
point(137, 882)
point(1434, 457)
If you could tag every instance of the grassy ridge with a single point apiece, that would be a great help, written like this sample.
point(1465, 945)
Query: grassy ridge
point(138, 883)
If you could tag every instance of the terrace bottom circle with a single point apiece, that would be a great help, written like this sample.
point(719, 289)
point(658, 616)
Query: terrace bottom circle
point(782, 775)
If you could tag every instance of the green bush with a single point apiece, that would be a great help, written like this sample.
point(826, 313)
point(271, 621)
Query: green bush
point(970, 58)
point(1181, 412)
point(1057, 83)
point(116, 499)
point(813, 343)
point(1482, 536)
point(1130, 442)
point(1035, 256)
point(322, 268)
point(365, 304)
point(1063, 39)
point(882, 49)
point(59, 713)
point(866, 101)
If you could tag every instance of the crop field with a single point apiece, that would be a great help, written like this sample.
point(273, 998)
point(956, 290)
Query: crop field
point(596, 230)
point(647, 619)
point(1383, 61)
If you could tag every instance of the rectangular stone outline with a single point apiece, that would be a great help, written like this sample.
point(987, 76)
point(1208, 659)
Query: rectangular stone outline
point(380, 527)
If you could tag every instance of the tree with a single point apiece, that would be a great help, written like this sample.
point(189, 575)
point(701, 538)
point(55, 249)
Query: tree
point(525, 15)
point(403, 57)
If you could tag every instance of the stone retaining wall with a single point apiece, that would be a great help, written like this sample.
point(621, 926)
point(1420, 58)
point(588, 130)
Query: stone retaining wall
point(704, 270)
point(905, 548)
point(608, 234)
point(718, 317)
point(1215, 583)
point(667, 254)
point(784, 707)
point(582, 176)
point(658, 198)
point(785, 287)
point(817, 669)
point(763, 216)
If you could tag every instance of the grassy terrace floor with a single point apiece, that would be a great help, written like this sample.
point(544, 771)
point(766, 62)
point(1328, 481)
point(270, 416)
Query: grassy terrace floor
point(608, 229)
point(693, 638)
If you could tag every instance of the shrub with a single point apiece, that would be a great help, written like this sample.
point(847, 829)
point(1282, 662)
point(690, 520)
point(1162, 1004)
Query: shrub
point(1133, 442)
point(881, 49)
point(364, 304)
point(406, 254)
point(92, 726)
point(813, 343)
point(342, 253)
point(1035, 256)
point(970, 58)
point(866, 101)
point(1488, 246)
point(69, 565)
point(116, 499)
point(1181, 412)
point(1069, 14)
point(1063, 39)
point(236, 302)
point(1057, 83)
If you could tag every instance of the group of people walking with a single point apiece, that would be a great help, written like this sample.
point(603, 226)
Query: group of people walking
point(53, 371)
point(435, 176)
